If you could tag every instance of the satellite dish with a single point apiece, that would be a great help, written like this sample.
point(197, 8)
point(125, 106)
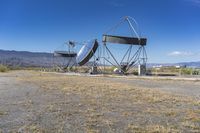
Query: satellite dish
point(86, 52)
point(64, 54)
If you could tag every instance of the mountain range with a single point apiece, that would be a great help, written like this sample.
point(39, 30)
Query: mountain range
point(42, 59)
point(30, 59)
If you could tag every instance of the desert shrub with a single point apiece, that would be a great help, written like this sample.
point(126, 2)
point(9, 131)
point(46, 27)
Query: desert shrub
point(196, 72)
point(135, 72)
point(3, 68)
point(73, 69)
point(186, 71)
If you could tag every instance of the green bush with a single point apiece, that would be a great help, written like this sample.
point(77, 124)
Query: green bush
point(3, 68)
point(186, 71)
point(135, 73)
point(196, 72)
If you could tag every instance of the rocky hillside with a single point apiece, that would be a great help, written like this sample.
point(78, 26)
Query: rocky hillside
point(30, 59)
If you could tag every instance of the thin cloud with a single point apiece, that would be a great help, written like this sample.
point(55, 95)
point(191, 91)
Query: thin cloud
point(194, 2)
point(116, 3)
point(180, 53)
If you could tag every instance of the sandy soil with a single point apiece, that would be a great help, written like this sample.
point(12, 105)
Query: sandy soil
point(44, 102)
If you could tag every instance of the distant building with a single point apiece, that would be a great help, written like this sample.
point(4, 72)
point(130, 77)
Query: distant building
point(159, 66)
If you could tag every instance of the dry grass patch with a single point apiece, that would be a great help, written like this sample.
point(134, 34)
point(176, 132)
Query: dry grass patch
point(151, 129)
point(3, 113)
point(102, 105)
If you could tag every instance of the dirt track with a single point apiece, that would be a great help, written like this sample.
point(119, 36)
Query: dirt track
point(39, 102)
point(182, 87)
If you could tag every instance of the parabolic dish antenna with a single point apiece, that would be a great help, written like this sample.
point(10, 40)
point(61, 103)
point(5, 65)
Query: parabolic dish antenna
point(64, 54)
point(86, 52)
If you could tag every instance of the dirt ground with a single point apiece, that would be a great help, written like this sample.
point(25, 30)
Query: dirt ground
point(47, 102)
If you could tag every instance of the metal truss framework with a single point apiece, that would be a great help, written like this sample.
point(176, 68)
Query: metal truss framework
point(132, 59)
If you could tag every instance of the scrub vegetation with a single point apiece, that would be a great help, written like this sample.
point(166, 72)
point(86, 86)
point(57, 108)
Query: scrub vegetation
point(64, 103)
point(3, 68)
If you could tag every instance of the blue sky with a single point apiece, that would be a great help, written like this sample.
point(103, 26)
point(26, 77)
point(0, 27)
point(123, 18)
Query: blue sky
point(171, 26)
